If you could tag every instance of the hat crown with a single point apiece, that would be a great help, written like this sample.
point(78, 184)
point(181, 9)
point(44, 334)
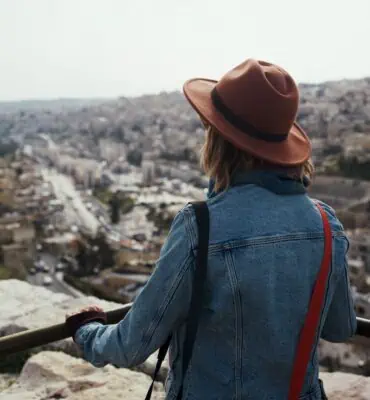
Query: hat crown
point(261, 94)
point(254, 107)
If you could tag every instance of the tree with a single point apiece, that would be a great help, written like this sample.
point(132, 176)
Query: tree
point(118, 133)
point(102, 250)
point(135, 157)
point(137, 128)
point(82, 258)
point(115, 209)
point(7, 148)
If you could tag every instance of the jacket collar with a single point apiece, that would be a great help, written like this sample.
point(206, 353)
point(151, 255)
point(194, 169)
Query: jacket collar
point(274, 180)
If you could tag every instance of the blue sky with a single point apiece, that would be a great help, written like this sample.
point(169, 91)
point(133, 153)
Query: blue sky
point(94, 48)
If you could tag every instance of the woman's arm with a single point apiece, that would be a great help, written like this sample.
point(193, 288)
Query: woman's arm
point(159, 309)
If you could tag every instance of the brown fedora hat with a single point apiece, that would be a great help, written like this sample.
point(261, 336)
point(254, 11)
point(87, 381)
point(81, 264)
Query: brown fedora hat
point(254, 107)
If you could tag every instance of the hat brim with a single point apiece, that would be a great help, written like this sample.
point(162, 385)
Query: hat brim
point(294, 150)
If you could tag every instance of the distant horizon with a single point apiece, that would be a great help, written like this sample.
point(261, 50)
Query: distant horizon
point(104, 98)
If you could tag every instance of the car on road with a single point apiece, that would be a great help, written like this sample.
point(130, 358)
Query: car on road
point(46, 268)
point(47, 281)
point(60, 266)
point(41, 266)
point(32, 271)
point(38, 265)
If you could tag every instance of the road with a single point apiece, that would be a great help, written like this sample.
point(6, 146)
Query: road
point(57, 285)
point(75, 209)
point(64, 190)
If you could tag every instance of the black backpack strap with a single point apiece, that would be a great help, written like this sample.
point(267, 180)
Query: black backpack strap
point(161, 356)
point(199, 278)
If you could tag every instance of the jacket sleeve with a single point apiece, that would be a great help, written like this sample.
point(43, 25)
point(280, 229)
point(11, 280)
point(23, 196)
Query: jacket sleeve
point(160, 308)
point(340, 323)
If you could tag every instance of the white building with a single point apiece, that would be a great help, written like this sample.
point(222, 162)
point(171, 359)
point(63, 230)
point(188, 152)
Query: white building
point(110, 150)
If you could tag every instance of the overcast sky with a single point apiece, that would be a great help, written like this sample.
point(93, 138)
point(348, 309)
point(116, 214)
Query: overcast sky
point(94, 48)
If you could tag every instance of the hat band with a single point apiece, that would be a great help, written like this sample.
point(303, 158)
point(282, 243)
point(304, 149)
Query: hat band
point(242, 125)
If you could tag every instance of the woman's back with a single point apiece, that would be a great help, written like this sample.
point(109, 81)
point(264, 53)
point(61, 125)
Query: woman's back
point(264, 256)
point(265, 250)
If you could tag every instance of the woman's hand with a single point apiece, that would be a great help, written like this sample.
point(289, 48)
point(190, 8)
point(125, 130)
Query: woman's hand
point(88, 308)
point(84, 316)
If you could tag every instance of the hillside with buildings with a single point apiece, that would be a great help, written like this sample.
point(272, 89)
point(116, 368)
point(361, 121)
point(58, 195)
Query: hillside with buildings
point(335, 114)
point(88, 191)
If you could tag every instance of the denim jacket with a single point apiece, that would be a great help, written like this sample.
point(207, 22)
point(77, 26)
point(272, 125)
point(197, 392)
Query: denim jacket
point(265, 250)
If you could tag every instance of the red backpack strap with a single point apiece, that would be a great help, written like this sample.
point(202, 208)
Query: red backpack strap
point(308, 333)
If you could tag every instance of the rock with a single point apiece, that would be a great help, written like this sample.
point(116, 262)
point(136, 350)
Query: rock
point(55, 375)
point(6, 380)
point(345, 357)
point(24, 306)
point(342, 386)
point(149, 366)
point(48, 374)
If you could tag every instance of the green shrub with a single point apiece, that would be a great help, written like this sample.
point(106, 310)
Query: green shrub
point(161, 219)
point(7, 273)
point(353, 168)
point(126, 203)
point(104, 195)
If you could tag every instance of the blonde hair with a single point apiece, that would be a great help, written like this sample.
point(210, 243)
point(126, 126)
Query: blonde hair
point(220, 160)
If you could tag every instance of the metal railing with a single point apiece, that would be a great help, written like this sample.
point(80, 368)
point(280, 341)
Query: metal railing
point(29, 339)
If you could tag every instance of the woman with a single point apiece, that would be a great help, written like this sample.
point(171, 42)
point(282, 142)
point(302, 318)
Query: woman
point(265, 249)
